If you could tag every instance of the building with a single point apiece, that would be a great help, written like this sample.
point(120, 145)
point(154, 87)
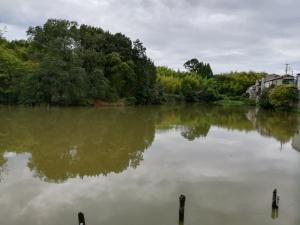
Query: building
point(278, 80)
point(271, 80)
point(296, 141)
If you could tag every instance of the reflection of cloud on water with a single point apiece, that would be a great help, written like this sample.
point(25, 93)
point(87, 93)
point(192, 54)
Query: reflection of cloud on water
point(7, 155)
point(223, 177)
point(111, 140)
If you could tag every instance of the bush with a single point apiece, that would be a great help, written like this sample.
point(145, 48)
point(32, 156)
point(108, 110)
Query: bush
point(236, 83)
point(130, 101)
point(189, 87)
point(283, 96)
point(264, 100)
point(209, 95)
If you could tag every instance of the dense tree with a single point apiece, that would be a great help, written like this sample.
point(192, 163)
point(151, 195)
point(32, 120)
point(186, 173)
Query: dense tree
point(63, 63)
point(189, 85)
point(14, 67)
point(99, 85)
point(279, 97)
point(76, 65)
point(236, 83)
point(61, 77)
point(203, 69)
point(264, 99)
point(145, 74)
point(283, 96)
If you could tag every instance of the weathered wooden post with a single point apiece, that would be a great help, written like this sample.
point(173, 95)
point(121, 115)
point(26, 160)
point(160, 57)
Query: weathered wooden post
point(275, 200)
point(274, 213)
point(81, 219)
point(181, 208)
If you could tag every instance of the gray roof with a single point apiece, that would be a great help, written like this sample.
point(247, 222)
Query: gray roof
point(270, 77)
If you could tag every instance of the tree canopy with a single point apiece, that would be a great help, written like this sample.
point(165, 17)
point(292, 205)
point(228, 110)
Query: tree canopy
point(200, 68)
point(282, 97)
point(63, 63)
point(194, 88)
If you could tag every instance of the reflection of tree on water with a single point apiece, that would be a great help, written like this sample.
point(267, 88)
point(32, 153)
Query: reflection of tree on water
point(195, 122)
point(280, 125)
point(68, 143)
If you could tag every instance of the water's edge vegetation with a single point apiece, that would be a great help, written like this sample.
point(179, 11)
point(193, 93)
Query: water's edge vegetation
point(62, 63)
point(66, 64)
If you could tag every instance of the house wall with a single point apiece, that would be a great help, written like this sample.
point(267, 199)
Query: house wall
point(298, 82)
point(273, 82)
point(278, 82)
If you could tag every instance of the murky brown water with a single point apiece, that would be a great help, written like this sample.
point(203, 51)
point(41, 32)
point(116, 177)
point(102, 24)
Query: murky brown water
point(128, 166)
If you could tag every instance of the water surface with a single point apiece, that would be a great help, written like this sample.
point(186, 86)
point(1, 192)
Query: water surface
point(129, 165)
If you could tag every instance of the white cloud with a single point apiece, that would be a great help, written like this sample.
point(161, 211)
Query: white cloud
point(231, 35)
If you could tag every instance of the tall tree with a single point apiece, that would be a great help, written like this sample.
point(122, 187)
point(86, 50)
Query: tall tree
point(203, 69)
point(61, 77)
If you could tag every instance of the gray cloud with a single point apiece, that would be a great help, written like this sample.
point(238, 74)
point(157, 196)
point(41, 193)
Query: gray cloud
point(230, 34)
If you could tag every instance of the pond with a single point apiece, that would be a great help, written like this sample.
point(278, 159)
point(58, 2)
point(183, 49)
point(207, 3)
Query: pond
point(128, 165)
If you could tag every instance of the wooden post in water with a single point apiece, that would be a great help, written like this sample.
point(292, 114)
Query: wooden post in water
point(181, 208)
point(81, 219)
point(275, 200)
point(274, 213)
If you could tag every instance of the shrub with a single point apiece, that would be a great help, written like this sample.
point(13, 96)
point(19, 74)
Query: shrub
point(209, 95)
point(130, 101)
point(189, 87)
point(264, 100)
point(283, 96)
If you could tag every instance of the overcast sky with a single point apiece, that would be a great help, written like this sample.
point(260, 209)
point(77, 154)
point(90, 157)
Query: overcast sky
point(259, 35)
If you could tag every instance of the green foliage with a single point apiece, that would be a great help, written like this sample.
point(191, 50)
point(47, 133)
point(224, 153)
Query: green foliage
point(14, 66)
point(63, 63)
point(200, 68)
point(170, 80)
point(190, 85)
point(209, 95)
point(171, 85)
point(236, 83)
point(99, 85)
point(229, 87)
point(283, 96)
point(230, 102)
point(145, 74)
point(279, 97)
point(264, 100)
